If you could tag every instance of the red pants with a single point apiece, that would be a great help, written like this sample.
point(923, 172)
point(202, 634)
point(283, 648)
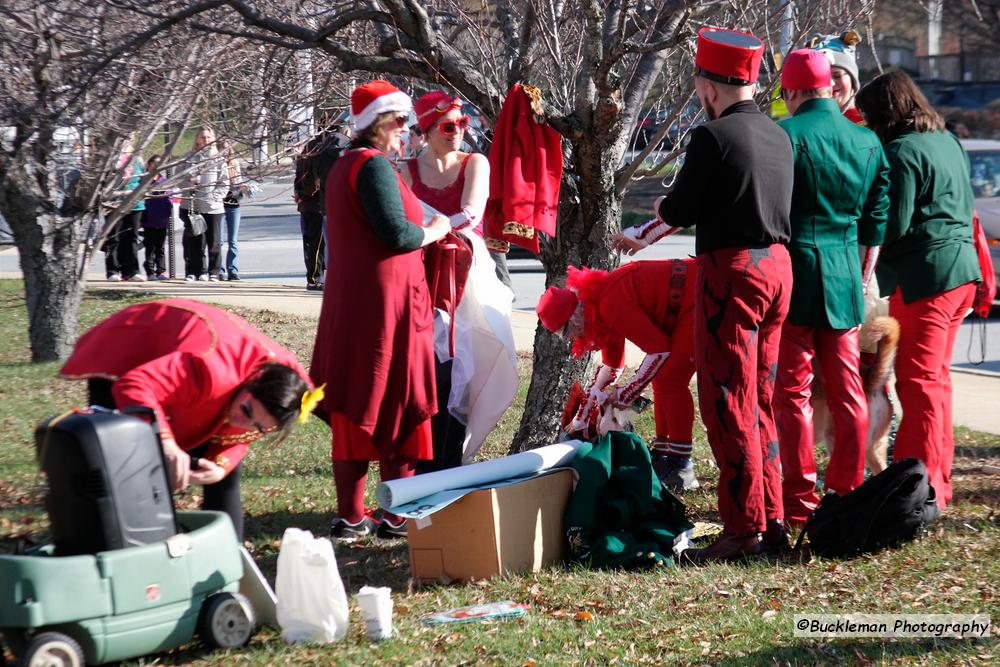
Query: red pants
point(927, 329)
point(742, 300)
point(673, 404)
point(836, 351)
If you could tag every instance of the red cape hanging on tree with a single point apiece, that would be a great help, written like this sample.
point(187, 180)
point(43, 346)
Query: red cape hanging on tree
point(525, 170)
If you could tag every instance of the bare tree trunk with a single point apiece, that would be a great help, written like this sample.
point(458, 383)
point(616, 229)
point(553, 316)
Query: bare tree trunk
point(49, 247)
point(589, 210)
point(553, 372)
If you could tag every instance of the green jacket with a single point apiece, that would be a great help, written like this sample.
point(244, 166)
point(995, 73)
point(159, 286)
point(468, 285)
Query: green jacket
point(839, 199)
point(928, 242)
point(619, 515)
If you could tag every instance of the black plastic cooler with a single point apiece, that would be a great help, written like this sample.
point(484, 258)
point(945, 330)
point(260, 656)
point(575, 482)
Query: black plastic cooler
point(108, 486)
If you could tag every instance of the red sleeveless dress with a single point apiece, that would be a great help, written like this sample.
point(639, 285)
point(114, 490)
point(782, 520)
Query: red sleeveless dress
point(447, 200)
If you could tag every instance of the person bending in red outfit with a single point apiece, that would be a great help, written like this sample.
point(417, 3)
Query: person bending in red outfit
point(215, 383)
point(650, 303)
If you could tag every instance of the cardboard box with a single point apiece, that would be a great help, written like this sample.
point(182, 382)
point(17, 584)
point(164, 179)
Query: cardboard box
point(513, 528)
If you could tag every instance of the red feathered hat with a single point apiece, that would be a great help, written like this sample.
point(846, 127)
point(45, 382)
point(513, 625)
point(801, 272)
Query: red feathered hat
point(375, 98)
point(728, 56)
point(430, 107)
point(806, 69)
point(556, 307)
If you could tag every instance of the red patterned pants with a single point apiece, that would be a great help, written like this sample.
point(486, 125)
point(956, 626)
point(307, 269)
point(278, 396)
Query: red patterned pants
point(741, 303)
point(927, 329)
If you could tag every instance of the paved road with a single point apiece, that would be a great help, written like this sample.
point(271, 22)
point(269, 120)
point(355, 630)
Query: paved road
point(271, 251)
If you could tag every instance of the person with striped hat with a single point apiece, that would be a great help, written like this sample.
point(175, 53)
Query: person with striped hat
point(840, 50)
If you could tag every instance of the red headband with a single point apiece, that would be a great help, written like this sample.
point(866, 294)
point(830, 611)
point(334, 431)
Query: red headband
point(430, 107)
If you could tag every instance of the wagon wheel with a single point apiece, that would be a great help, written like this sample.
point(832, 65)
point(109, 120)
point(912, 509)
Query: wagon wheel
point(51, 649)
point(227, 620)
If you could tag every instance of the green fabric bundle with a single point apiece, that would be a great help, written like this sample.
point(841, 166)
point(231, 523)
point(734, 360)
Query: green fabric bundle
point(619, 515)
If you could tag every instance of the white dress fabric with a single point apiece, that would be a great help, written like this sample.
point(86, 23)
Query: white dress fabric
point(484, 371)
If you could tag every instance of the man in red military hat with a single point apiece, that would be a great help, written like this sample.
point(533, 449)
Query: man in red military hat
point(651, 304)
point(736, 186)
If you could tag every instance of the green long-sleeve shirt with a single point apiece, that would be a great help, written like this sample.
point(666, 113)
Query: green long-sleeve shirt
point(928, 245)
point(378, 189)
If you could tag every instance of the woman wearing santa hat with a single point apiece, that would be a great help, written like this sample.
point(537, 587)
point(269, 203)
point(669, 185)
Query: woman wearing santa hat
point(375, 341)
point(477, 383)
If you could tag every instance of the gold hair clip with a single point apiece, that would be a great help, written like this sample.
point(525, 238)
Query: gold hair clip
point(310, 399)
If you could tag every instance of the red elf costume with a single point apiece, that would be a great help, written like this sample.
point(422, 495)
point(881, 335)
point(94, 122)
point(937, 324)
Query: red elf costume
point(650, 303)
point(525, 172)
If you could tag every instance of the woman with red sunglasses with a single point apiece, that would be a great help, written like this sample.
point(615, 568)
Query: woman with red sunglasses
point(474, 388)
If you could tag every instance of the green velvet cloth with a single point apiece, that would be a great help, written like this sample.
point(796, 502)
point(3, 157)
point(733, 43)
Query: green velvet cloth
point(619, 515)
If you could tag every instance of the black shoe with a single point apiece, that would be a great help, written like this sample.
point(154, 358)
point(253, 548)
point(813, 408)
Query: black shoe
point(314, 287)
point(234, 276)
point(726, 548)
point(676, 473)
point(345, 531)
point(389, 531)
point(774, 541)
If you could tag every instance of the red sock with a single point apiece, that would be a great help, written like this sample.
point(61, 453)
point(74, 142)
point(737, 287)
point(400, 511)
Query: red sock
point(349, 478)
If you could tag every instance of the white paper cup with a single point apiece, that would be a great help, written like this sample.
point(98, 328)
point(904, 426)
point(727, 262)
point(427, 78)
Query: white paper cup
point(376, 609)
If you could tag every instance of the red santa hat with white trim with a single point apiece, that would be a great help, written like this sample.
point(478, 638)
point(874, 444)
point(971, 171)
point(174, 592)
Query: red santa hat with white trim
point(375, 98)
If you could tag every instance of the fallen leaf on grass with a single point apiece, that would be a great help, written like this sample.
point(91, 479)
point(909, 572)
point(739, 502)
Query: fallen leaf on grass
point(583, 617)
point(770, 613)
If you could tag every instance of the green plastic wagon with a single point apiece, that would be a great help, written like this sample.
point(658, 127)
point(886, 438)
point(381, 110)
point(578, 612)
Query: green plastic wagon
point(114, 605)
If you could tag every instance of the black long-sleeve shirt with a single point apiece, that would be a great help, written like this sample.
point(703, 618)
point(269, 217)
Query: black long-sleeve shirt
point(736, 182)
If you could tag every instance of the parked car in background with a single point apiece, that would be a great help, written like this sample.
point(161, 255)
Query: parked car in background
point(975, 95)
point(984, 173)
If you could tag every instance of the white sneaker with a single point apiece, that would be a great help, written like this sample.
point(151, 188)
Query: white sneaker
point(138, 278)
point(213, 279)
point(115, 278)
point(189, 279)
point(203, 278)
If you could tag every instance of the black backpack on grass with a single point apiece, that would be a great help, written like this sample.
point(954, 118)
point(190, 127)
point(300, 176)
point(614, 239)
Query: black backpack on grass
point(889, 508)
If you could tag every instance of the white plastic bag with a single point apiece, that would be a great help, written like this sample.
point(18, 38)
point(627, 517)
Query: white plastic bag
point(312, 604)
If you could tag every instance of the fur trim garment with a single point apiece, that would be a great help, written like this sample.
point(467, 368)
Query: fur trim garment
point(589, 285)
